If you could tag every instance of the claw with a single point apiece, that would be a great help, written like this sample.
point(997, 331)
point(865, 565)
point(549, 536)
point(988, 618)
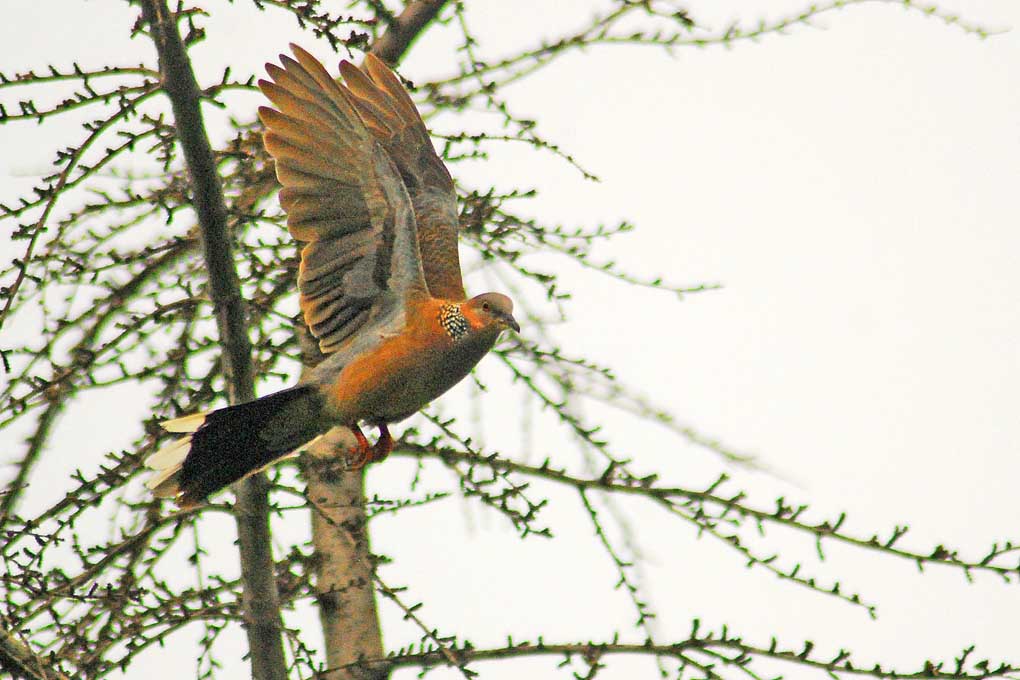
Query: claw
point(383, 445)
point(359, 456)
point(364, 453)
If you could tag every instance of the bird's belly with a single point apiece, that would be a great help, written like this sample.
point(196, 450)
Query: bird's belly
point(398, 379)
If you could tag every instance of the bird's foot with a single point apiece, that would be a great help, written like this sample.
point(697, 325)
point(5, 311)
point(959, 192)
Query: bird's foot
point(383, 445)
point(361, 454)
point(364, 453)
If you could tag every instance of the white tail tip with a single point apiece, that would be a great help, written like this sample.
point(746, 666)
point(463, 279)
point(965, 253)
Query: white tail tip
point(167, 463)
point(185, 423)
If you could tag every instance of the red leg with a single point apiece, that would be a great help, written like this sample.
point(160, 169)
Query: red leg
point(362, 454)
point(383, 445)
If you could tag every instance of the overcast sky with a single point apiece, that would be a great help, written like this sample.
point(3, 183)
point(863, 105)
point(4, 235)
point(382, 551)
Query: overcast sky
point(852, 186)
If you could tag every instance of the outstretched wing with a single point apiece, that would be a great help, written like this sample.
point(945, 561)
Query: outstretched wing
point(344, 196)
point(390, 115)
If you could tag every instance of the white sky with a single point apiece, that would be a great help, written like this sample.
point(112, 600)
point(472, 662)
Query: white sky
point(853, 187)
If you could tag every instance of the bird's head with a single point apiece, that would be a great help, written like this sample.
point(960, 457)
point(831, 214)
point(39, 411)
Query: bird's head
point(490, 311)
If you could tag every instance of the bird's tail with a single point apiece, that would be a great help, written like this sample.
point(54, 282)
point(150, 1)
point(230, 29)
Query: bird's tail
point(223, 446)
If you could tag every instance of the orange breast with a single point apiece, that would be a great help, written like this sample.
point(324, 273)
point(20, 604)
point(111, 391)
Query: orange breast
point(405, 372)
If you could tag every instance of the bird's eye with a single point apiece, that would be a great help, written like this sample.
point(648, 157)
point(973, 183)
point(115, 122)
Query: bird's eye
point(485, 306)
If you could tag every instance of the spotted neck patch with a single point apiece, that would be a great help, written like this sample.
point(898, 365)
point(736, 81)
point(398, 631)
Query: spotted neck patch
point(452, 321)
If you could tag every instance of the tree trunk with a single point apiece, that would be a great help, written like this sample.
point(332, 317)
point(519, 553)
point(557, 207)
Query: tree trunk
point(344, 582)
point(343, 567)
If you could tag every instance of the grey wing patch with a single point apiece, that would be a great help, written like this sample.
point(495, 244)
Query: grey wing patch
point(391, 117)
point(336, 286)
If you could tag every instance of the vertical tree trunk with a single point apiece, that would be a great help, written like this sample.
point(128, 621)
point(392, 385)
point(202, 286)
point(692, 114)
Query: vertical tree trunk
point(343, 578)
point(343, 560)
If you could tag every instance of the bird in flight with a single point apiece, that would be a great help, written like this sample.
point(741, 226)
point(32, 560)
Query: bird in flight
point(380, 282)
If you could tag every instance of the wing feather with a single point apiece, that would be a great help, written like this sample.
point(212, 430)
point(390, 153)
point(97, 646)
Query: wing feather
point(390, 116)
point(305, 158)
point(389, 83)
point(369, 98)
point(309, 135)
point(344, 197)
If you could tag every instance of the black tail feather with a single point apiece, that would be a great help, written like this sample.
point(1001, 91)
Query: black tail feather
point(235, 441)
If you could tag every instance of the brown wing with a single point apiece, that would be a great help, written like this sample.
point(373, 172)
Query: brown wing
point(391, 116)
point(344, 196)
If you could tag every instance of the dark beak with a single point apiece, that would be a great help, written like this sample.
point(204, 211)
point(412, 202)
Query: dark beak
point(510, 321)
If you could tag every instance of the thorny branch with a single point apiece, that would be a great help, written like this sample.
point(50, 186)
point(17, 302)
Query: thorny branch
point(695, 506)
point(723, 648)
